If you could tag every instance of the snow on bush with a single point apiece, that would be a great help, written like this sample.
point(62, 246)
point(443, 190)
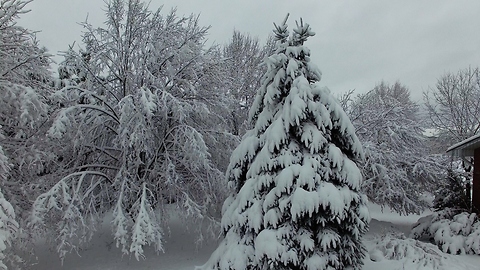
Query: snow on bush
point(455, 233)
point(397, 247)
point(412, 253)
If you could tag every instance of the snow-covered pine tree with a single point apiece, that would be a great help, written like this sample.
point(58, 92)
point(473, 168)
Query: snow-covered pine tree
point(296, 201)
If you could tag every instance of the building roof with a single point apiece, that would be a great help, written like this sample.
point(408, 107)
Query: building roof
point(466, 147)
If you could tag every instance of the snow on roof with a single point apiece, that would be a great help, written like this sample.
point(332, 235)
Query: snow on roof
point(467, 144)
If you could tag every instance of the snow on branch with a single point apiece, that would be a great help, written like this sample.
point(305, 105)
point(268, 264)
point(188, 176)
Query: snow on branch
point(23, 104)
point(120, 222)
point(10, 10)
point(281, 31)
point(69, 203)
point(146, 229)
point(8, 227)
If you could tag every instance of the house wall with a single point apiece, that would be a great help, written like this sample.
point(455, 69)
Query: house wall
point(476, 182)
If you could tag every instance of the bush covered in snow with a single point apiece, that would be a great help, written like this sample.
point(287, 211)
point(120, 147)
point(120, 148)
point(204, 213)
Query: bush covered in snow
point(453, 232)
point(394, 246)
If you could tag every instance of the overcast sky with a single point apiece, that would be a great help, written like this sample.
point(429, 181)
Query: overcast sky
point(358, 43)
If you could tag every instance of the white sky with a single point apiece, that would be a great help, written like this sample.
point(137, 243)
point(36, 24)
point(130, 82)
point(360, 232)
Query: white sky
point(358, 43)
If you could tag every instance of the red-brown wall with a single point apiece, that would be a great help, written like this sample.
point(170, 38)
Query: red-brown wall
point(476, 182)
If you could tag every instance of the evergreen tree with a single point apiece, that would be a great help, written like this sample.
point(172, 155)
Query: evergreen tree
point(452, 194)
point(296, 201)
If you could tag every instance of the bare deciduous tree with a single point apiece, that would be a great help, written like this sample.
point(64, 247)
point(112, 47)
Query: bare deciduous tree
point(397, 167)
point(24, 154)
point(243, 66)
point(454, 105)
point(133, 117)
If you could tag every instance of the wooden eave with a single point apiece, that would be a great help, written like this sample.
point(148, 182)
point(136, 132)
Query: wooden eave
point(466, 147)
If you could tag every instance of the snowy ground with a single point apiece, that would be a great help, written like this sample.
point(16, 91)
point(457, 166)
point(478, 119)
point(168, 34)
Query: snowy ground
point(181, 251)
